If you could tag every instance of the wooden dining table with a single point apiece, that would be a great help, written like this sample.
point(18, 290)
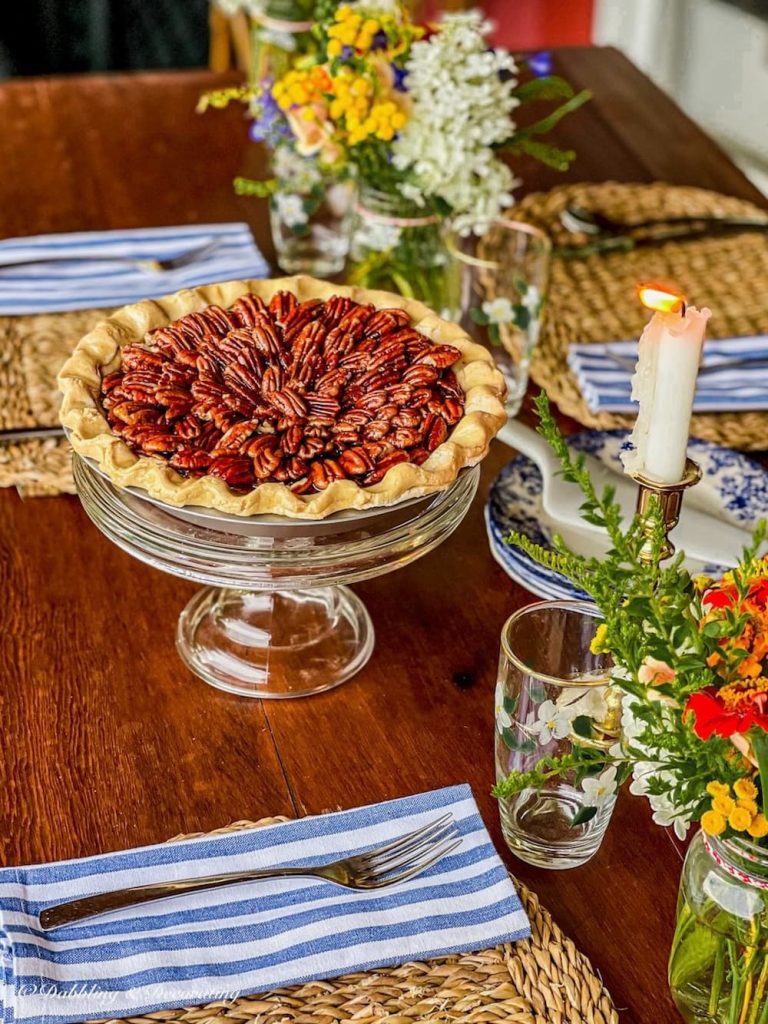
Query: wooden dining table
point(108, 740)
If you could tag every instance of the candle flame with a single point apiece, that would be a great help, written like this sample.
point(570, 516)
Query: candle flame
point(661, 298)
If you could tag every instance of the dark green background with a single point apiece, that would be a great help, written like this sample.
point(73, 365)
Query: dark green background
point(59, 36)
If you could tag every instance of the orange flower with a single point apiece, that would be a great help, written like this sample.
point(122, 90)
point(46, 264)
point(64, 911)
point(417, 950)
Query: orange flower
point(314, 137)
point(653, 672)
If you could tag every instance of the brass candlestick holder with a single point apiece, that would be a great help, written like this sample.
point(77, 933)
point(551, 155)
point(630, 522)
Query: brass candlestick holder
point(670, 498)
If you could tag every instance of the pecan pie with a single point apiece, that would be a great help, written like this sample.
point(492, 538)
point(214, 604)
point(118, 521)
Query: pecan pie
point(292, 396)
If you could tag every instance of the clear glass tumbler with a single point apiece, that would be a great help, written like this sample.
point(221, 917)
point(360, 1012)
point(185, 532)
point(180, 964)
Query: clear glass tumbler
point(311, 215)
point(553, 694)
point(498, 287)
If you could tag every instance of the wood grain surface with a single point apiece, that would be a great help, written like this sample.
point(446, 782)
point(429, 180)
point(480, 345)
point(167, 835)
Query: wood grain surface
point(107, 741)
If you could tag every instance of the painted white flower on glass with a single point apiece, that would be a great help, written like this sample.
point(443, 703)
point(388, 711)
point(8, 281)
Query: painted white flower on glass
point(503, 718)
point(598, 790)
point(551, 722)
point(499, 311)
point(290, 209)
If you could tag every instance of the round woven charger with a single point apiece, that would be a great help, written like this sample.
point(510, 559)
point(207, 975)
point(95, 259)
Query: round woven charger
point(593, 298)
point(543, 980)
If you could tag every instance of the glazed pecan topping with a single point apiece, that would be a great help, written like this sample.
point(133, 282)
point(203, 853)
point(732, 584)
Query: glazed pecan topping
point(296, 393)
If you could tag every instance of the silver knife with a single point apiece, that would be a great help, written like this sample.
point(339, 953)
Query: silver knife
point(29, 434)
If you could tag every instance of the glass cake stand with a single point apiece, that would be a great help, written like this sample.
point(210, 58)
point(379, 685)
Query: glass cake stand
point(275, 619)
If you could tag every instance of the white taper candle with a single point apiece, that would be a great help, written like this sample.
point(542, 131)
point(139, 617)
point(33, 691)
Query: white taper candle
point(664, 384)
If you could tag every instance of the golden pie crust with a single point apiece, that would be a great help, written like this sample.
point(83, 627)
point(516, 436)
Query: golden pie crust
point(99, 353)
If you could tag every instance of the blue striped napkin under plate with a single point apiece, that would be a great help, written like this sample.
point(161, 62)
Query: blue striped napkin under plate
point(605, 384)
point(58, 285)
point(255, 936)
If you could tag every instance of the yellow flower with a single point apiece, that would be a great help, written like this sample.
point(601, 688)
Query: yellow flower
point(748, 805)
point(298, 94)
point(337, 109)
point(739, 819)
point(334, 47)
point(718, 788)
point(759, 827)
point(598, 640)
point(723, 805)
point(713, 823)
point(702, 583)
point(745, 789)
point(371, 26)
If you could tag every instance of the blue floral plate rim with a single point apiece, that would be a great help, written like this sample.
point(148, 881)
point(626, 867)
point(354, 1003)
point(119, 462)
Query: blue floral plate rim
point(739, 489)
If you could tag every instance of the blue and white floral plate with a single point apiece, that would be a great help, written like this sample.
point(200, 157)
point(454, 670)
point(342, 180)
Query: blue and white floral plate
point(732, 487)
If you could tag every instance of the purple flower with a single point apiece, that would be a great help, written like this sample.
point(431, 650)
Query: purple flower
point(399, 76)
point(380, 41)
point(540, 63)
point(270, 125)
point(347, 53)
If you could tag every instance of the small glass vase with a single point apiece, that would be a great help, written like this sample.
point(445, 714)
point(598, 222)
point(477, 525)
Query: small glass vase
point(718, 967)
point(552, 695)
point(278, 33)
point(311, 214)
point(399, 246)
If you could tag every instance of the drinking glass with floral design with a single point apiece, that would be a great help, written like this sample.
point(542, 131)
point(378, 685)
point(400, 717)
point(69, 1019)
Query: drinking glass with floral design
point(498, 287)
point(552, 695)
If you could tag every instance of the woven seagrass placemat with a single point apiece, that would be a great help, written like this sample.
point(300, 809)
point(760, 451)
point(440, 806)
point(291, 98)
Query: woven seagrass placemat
point(543, 980)
point(32, 348)
point(593, 298)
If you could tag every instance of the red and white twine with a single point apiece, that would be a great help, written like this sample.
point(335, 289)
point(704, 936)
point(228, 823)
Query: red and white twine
point(743, 876)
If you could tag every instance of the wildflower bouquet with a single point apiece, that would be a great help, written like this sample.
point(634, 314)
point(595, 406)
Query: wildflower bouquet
point(421, 116)
point(690, 662)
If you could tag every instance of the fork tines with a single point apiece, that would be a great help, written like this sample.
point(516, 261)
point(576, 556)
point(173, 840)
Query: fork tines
point(410, 855)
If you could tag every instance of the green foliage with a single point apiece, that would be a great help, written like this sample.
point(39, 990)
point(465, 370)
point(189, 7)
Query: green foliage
point(548, 87)
point(249, 187)
point(525, 139)
point(649, 612)
point(583, 815)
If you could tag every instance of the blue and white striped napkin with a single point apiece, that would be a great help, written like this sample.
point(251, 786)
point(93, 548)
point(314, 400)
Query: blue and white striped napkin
point(252, 937)
point(59, 284)
point(605, 384)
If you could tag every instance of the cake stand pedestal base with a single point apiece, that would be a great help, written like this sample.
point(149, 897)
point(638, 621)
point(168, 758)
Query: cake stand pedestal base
point(276, 618)
point(288, 643)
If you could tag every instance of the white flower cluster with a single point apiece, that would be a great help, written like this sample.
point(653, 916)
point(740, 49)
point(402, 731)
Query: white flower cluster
point(461, 107)
point(665, 812)
point(294, 172)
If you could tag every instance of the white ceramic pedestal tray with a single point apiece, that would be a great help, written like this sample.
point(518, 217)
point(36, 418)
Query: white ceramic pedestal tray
point(275, 619)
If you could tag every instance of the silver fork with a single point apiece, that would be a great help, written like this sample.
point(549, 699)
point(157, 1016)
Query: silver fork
point(155, 266)
point(375, 869)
